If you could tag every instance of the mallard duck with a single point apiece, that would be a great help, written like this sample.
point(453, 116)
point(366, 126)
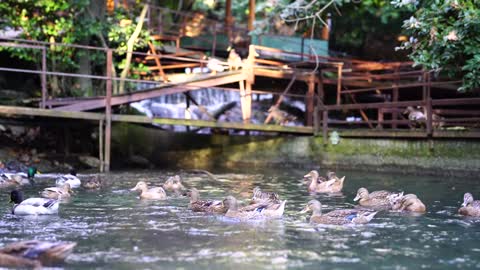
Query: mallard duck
point(260, 196)
point(32, 206)
point(269, 209)
point(70, 178)
point(234, 212)
point(57, 193)
point(208, 206)
point(337, 217)
point(469, 207)
point(174, 184)
point(254, 211)
point(8, 179)
point(92, 183)
point(34, 253)
point(469, 201)
point(155, 193)
point(409, 203)
point(377, 199)
point(332, 185)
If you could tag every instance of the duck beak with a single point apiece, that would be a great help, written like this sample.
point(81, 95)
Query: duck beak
point(464, 204)
point(305, 210)
point(306, 175)
point(356, 198)
point(133, 189)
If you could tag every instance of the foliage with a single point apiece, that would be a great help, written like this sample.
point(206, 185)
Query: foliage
point(445, 37)
point(70, 22)
point(45, 20)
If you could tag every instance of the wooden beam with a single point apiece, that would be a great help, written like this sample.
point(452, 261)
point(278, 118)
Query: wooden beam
point(309, 102)
point(251, 15)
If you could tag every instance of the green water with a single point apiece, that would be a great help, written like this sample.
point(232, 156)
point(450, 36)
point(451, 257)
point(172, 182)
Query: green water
point(115, 230)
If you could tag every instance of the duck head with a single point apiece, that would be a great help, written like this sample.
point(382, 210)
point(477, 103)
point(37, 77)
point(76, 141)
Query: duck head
point(16, 196)
point(331, 175)
point(312, 174)
point(141, 186)
point(31, 171)
point(395, 200)
point(467, 199)
point(67, 188)
point(193, 194)
point(313, 206)
point(73, 172)
point(361, 194)
point(230, 203)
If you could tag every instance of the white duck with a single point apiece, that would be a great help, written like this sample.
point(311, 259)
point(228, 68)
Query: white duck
point(32, 206)
point(70, 178)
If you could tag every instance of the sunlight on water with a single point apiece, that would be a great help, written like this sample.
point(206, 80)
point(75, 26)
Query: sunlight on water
point(116, 230)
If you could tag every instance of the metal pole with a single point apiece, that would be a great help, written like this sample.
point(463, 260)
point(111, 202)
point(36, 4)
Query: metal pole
point(214, 44)
point(108, 111)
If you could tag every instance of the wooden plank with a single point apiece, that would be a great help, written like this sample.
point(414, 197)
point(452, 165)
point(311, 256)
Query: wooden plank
point(166, 89)
point(282, 74)
point(10, 110)
point(13, 110)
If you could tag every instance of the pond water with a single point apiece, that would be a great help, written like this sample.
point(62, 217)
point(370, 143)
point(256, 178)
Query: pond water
point(116, 230)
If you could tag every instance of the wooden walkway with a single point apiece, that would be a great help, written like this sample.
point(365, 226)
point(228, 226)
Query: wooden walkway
point(345, 80)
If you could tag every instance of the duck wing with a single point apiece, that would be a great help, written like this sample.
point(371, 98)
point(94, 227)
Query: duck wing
point(380, 194)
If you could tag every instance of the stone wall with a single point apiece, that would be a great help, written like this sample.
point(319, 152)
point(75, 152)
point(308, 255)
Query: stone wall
point(183, 150)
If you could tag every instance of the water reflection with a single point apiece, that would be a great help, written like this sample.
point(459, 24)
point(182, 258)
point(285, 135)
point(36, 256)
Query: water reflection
point(116, 230)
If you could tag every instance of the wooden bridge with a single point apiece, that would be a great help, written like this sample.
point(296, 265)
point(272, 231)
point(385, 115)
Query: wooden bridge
point(333, 90)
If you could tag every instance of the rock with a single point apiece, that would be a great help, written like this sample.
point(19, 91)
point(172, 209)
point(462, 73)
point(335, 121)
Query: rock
point(90, 161)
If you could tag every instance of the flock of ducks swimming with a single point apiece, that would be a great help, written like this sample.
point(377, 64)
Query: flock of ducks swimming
point(263, 205)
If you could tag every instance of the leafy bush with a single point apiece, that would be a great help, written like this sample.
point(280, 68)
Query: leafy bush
point(445, 37)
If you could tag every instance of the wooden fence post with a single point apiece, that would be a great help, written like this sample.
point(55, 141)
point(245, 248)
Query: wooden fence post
point(44, 77)
point(339, 83)
point(108, 111)
point(325, 126)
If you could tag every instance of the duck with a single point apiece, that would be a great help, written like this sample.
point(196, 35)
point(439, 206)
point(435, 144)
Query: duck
point(409, 203)
point(92, 183)
point(215, 65)
point(57, 193)
point(155, 193)
point(337, 217)
point(332, 185)
point(174, 184)
point(377, 199)
point(32, 206)
point(469, 201)
point(469, 207)
point(260, 196)
point(208, 206)
point(9, 178)
point(70, 178)
point(34, 253)
point(253, 212)
point(233, 210)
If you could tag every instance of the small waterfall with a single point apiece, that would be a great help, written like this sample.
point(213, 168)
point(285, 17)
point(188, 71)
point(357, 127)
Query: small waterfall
point(222, 104)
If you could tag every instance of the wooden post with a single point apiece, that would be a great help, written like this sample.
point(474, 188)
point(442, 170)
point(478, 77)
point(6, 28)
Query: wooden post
point(214, 43)
point(316, 121)
point(380, 118)
point(429, 117)
point(44, 77)
point(187, 109)
point(251, 14)
point(395, 98)
point(325, 127)
point(228, 19)
point(248, 101)
point(309, 101)
point(160, 22)
point(339, 83)
point(250, 80)
point(100, 144)
point(108, 111)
